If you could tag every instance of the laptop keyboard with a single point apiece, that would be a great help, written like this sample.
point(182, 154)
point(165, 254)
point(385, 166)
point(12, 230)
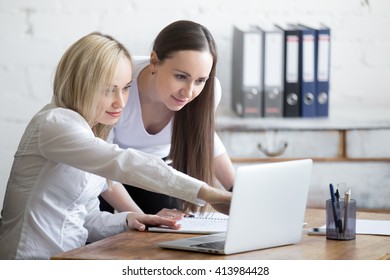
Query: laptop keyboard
point(218, 245)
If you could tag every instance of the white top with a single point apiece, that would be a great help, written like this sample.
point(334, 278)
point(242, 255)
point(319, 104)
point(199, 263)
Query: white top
point(130, 131)
point(51, 202)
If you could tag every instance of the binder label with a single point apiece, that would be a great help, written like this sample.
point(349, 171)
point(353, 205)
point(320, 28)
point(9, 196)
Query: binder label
point(323, 57)
point(252, 58)
point(273, 74)
point(292, 58)
point(308, 58)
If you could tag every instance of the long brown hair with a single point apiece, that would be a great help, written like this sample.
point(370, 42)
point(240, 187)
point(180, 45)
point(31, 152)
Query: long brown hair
point(192, 143)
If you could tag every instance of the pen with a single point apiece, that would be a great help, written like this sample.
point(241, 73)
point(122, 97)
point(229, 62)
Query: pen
point(337, 194)
point(337, 221)
point(347, 197)
point(317, 231)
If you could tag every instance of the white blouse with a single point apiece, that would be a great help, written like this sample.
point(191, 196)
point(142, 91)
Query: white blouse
point(51, 203)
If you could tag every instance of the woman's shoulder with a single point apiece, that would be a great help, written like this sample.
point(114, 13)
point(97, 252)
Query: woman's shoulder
point(217, 92)
point(140, 62)
point(53, 117)
point(140, 58)
point(60, 114)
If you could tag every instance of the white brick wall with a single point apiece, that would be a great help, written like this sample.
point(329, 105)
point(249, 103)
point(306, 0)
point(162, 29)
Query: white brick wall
point(34, 35)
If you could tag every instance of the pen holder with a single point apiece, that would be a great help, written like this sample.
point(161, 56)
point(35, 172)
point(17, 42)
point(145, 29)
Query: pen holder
point(341, 219)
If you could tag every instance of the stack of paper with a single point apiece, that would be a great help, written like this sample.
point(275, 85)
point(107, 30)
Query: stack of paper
point(372, 227)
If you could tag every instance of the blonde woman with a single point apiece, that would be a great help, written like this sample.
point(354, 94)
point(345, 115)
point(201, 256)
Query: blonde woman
point(63, 162)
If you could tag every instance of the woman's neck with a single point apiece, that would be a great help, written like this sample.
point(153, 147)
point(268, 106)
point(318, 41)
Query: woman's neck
point(146, 86)
point(155, 115)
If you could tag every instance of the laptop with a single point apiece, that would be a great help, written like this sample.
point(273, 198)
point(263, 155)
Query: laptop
point(267, 210)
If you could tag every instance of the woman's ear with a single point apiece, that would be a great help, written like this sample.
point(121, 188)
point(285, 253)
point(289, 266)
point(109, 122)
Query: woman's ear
point(153, 62)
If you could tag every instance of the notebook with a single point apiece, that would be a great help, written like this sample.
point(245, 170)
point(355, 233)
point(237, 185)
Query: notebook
point(199, 223)
point(267, 210)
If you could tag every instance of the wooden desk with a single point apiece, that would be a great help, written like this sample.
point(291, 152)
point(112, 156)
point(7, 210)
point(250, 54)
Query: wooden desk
point(143, 245)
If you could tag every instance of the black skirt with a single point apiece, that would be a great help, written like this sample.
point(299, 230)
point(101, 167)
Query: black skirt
point(149, 202)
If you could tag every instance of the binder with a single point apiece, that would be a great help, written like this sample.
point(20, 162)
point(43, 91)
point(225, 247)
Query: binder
point(307, 71)
point(247, 61)
point(322, 70)
point(291, 97)
point(273, 69)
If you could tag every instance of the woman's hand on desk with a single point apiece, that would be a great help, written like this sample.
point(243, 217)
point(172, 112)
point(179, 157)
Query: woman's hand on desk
point(138, 221)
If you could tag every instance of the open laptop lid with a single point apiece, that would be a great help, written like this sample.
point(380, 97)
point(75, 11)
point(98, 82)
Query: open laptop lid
point(267, 209)
point(268, 205)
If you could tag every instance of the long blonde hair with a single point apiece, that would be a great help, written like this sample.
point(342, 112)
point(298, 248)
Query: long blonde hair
point(84, 72)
